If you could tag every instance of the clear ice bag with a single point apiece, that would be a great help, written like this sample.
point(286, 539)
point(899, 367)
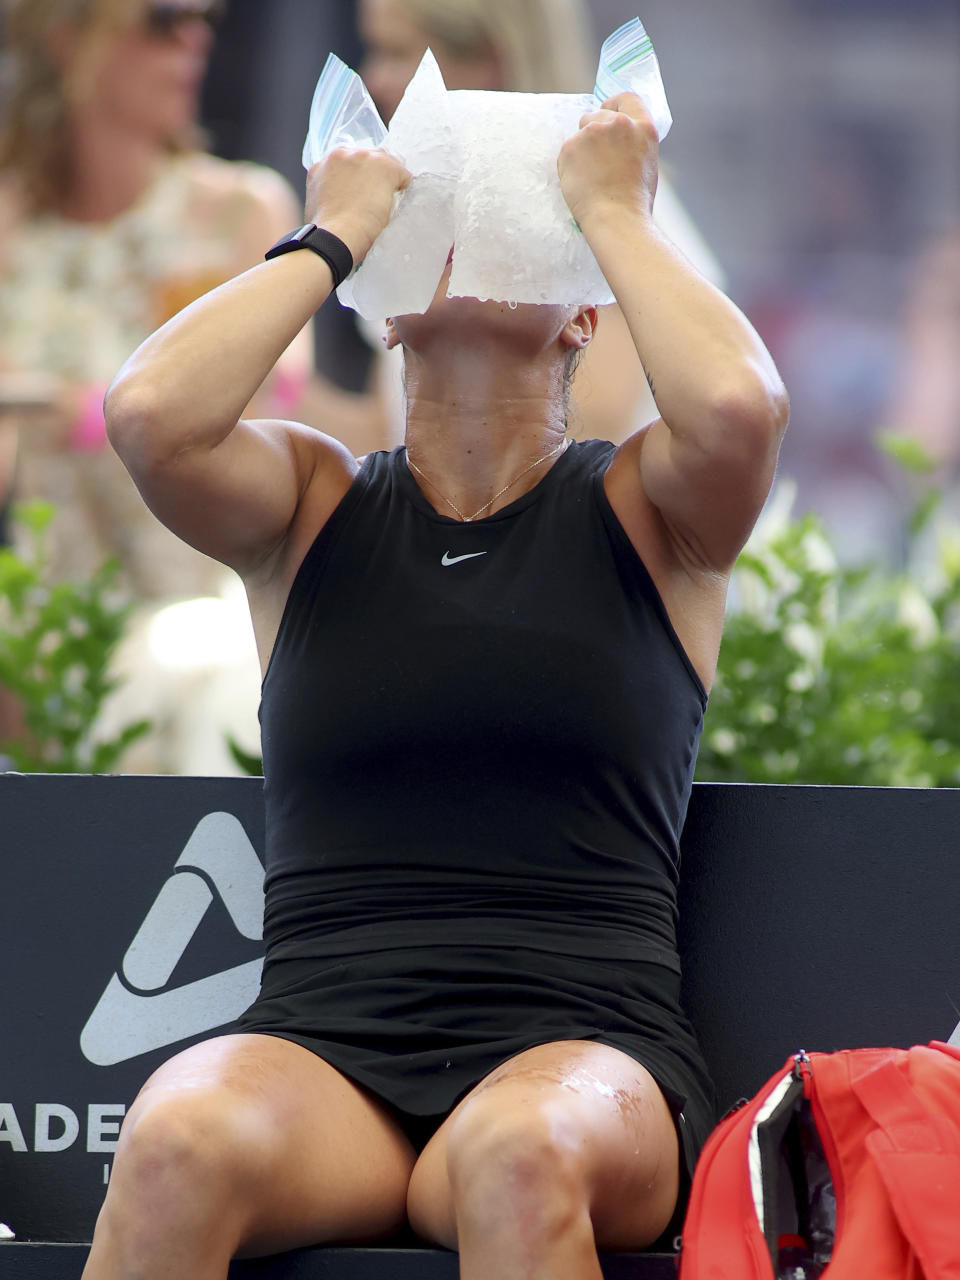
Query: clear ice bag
point(484, 180)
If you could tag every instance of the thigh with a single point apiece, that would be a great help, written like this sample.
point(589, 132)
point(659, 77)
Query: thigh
point(624, 1131)
point(311, 1156)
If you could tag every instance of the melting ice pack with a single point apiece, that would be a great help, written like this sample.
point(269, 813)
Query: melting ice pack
point(483, 168)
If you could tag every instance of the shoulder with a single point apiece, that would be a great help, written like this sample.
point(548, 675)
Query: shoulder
point(227, 179)
point(654, 536)
point(692, 593)
point(239, 188)
point(245, 207)
point(591, 458)
point(325, 470)
point(317, 456)
point(623, 486)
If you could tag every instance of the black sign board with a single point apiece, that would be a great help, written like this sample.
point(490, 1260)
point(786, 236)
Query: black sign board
point(130, 917)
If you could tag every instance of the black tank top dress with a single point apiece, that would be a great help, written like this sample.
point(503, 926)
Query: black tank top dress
point(478, 745)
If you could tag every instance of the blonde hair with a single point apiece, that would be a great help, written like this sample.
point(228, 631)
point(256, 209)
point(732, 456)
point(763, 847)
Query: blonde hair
point(547, 46)
point(40, 90)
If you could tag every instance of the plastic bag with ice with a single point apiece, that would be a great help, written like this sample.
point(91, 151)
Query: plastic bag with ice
point(515, 238)
point(484, 168)
point(401, 272)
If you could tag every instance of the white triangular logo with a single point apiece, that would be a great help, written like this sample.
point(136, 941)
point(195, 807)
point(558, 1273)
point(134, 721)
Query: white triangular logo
point(955, 1038)
point(125, 1022)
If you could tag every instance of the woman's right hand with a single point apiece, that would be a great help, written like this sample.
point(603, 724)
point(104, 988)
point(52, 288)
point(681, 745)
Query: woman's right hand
point(350, 193)
point(611, 161)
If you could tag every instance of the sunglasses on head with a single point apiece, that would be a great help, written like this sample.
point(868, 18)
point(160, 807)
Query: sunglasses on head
point(163, 18)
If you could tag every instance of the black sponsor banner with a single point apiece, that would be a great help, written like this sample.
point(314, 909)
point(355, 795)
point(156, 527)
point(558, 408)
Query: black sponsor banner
point(817, 918)
point(130, 917)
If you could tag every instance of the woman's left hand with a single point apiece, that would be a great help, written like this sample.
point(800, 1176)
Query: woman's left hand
point(611, 161)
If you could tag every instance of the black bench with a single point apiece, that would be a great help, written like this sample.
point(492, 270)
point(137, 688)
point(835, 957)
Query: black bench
point(811, 917)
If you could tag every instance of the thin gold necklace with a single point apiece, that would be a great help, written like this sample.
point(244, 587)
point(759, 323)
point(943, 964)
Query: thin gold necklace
point(500, 492)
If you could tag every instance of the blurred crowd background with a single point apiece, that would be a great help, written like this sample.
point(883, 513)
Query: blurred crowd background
point(813, 170)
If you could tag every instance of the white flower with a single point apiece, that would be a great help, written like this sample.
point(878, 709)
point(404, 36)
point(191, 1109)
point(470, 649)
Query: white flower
point(724, 741)
point(801, 680)
point(775, 516)
point(818, 552)
point(785, 763)
point(763, 713)
point(914, 613)
point(756, 598)
point(801, 638)
point(911, 700)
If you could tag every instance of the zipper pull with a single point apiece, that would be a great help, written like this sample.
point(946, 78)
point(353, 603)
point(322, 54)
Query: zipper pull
point(801, 1068)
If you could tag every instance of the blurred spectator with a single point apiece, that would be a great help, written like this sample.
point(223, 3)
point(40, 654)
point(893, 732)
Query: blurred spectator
point(927, 400)
point(531, 46)
point(112, 218)
point(830, 321)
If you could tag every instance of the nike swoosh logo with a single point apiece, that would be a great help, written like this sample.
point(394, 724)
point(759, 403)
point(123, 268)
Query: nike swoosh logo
point(449, 559)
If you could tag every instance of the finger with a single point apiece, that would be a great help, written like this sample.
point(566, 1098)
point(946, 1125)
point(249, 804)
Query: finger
point(402, 174)
point(596, 117)
point(630, 104)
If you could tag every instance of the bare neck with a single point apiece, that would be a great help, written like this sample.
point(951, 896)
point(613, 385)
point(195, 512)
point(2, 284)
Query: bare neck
point(474, 424)
point(112, 169)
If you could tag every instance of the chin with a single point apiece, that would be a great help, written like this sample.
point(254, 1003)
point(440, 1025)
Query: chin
point(446, 309)
point(521, 325)
point(176, 112)
point(475, 326)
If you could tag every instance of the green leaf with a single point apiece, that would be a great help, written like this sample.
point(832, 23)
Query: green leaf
point(924, 511)
point(907, 451)
point(831, 674)
point(37, 516)
point(250, 764)
point(57, 639)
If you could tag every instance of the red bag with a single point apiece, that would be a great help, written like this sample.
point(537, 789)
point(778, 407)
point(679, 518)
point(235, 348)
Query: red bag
point(845, 1165)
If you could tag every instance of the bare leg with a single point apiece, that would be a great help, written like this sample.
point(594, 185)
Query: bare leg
point(246, 1144)
point(566, 1148)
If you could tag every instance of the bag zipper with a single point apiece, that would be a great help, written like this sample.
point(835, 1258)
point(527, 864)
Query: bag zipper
point(803, 1071)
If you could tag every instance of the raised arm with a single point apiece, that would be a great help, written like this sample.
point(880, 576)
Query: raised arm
point(707, 463)
point(230, 487)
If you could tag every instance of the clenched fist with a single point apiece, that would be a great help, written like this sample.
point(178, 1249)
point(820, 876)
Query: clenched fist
point(611, 162)
point(350, 193)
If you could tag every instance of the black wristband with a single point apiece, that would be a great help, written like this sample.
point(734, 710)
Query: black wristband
point(330, 248)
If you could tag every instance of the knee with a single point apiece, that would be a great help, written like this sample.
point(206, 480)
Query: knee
point(183, 1156)
point(520, 1161)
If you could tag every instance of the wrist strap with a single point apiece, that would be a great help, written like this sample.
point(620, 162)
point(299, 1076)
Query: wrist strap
point(324, 243)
